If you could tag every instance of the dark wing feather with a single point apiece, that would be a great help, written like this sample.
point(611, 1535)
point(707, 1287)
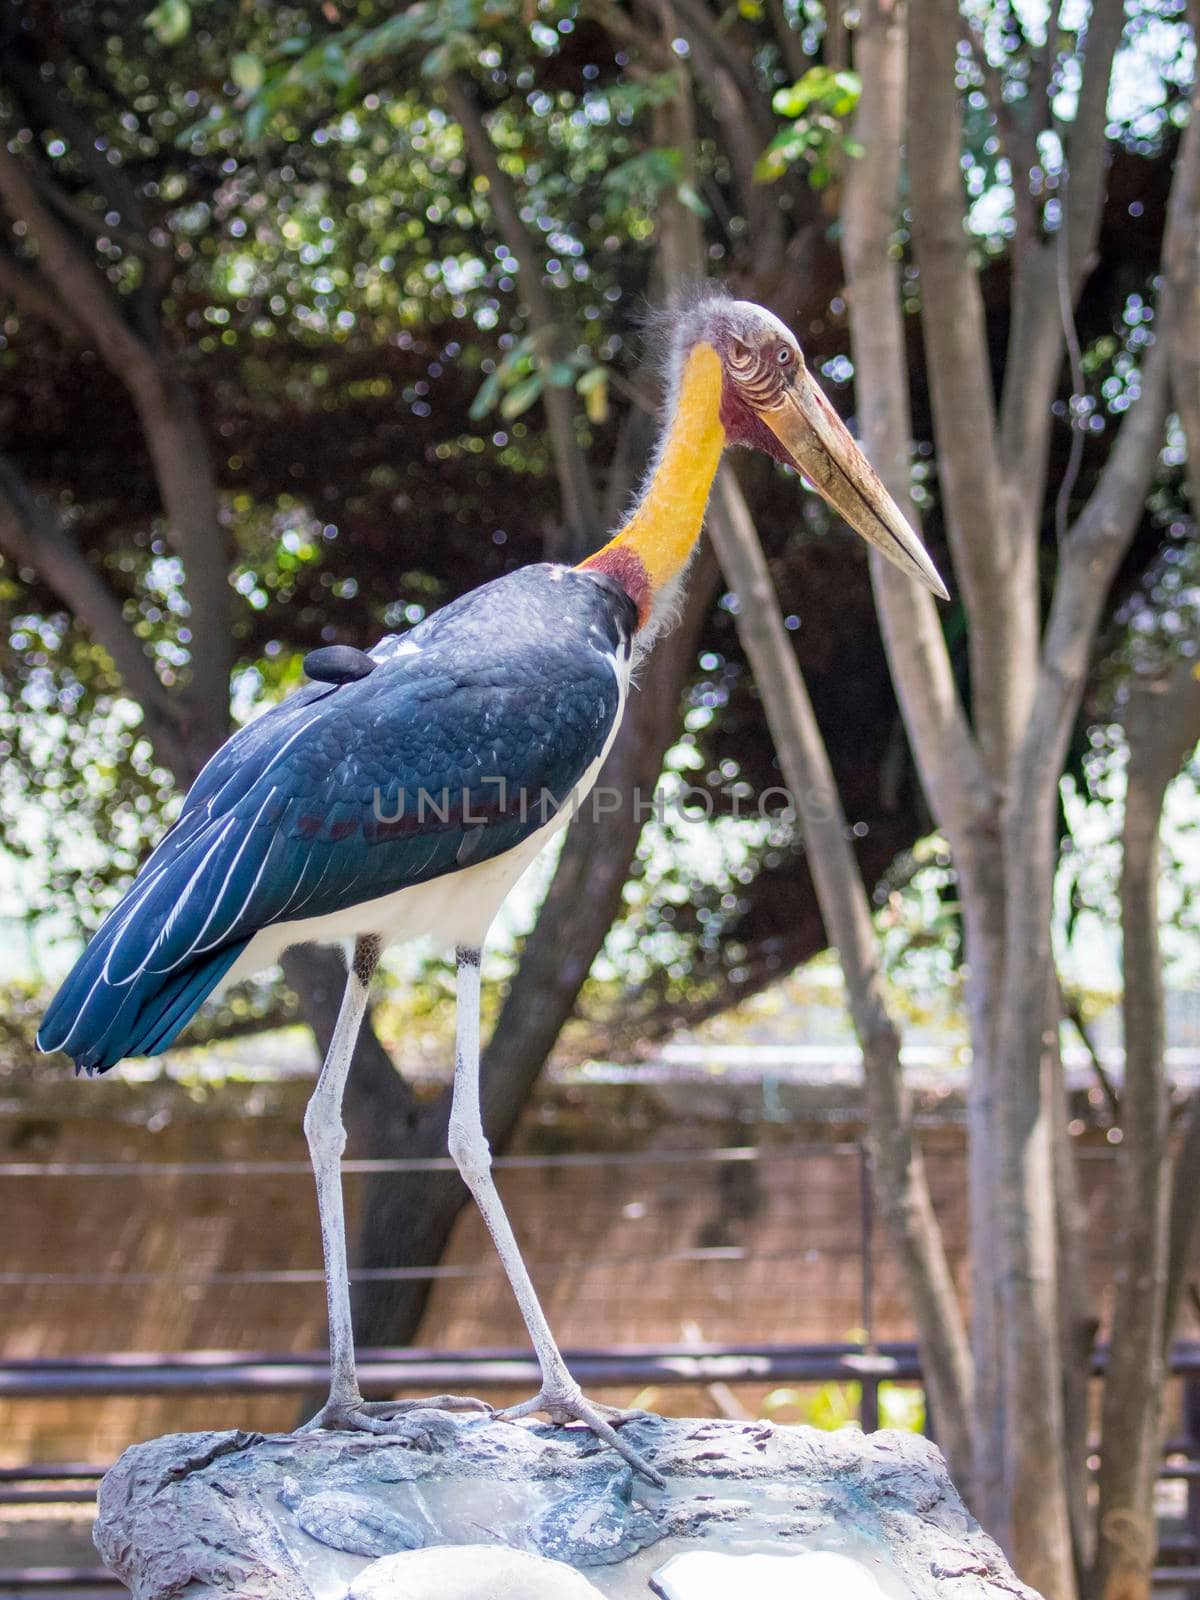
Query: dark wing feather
point(337, 797)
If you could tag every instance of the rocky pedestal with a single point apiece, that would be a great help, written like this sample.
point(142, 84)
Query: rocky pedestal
point(475, 1509)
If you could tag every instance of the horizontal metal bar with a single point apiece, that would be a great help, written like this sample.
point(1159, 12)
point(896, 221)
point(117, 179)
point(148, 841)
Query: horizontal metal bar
point(304, 1277)
point(58, 1578)
point(902, 1348)
point(212, 1368)
point(512, 1373)
point(291, 1277)
point(47, 1496)
point(50, 1471)
point(717, 1156)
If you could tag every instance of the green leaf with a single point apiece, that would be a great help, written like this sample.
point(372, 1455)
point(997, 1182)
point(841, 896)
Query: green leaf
point(521, 397)
point(644, 177)
point(517, 362)
point(336, 68)
point(246, 70)
point(593, 386)
point(688, 197)
point(783, 150)
point(835, 92)
point(170, 21)
point(256, 120)
point(485, 397)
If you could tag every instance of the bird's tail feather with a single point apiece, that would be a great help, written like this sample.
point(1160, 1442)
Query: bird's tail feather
point(99, 1022)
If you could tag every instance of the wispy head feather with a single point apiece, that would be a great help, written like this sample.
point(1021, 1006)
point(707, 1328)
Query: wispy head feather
point(668, 330)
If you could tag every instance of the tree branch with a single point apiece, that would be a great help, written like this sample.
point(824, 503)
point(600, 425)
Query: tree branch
point(791, 46)
point(1089, 561)
point(51, 108)
point(1072, 1010)
point(578, 498)
point(29, 295)
point(72, 274)
point(615, 20)
point(1019, 141)
point(717, 38)
point(728, 80)
point(176, 441)
point(1034, 356)
point(1087, 147)
point(947, 758)
point(680, 237)
point(1103, 529)
point(1181, 252)
point(31, 536)
point(987, 558)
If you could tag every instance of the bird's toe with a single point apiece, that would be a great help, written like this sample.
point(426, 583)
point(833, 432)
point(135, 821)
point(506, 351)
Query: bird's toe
point(569, 1404)
point(386, 1416)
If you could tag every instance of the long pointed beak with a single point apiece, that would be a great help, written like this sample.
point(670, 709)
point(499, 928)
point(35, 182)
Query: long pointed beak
point(819, 445)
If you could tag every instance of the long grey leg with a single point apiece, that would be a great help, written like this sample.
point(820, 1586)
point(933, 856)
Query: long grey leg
point(560, 1396)
point(326, 1135)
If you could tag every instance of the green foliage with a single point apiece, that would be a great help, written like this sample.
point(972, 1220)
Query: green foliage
point(170, 21)
point(515, 384)
point(838, 1405)
point(817, 105)
point(645, 179)
point(280, 82)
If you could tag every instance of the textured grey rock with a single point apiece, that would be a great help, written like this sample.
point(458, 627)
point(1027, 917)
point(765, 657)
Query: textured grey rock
point(349, 1522)
point(470, 1572)
point(595, 1527)
point(201, 1514)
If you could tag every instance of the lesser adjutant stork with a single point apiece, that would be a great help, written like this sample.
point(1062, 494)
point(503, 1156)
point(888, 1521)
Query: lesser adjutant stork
point(404, 792)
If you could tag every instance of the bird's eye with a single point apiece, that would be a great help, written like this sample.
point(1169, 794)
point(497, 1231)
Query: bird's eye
point(783, 355)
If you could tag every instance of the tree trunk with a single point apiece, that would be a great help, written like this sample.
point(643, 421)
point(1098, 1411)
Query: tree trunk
point(1077, 1324)
point(898, 1166)
point(1162, 724)
point(960, 794)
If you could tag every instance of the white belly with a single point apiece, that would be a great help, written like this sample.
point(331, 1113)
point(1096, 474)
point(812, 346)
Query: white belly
point(455, 909)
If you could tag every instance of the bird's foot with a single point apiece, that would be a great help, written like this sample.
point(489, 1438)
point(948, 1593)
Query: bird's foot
point(384, 1416)
point(566, 1402)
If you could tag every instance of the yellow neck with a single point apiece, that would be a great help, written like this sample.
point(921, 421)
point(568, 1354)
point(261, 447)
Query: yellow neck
point(659, 537)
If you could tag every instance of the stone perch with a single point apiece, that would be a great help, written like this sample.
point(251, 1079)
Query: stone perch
point(470, 1508)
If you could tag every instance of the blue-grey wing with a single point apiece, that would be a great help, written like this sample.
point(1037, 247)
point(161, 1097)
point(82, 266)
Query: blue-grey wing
point(338, 797)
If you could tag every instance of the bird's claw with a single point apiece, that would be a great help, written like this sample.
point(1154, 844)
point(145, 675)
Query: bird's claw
point(564, 1404)
point(378, 1416)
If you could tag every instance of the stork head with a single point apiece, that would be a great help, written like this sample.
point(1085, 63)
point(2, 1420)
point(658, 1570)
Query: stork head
point(736, 376)
point(771, 402)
